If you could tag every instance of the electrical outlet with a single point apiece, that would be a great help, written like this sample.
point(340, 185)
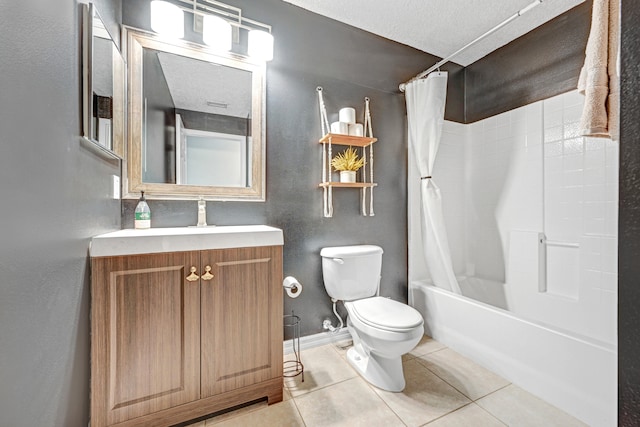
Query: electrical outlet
point(115, 191)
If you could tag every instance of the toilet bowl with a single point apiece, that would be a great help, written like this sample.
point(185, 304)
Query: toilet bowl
point(382, 329)
point(380, 340)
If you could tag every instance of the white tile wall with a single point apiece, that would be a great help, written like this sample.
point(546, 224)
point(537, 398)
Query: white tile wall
point(581, 187)
point(449, 175)
point(528, 170)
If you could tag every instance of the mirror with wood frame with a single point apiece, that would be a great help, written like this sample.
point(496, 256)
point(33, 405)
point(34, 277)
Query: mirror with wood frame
point(196, 121)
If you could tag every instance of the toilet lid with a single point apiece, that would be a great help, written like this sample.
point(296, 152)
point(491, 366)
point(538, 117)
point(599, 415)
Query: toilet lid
point(385, 313)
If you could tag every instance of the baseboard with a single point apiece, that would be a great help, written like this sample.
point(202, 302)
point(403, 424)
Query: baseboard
point(311, 341)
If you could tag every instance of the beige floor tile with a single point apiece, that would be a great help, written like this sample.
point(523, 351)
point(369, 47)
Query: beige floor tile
point(425, 346)
point(350, 403)
point(285, 394)
point(225, 416)
point(466, 376)
point(425, 397)
point(470, 415)
point(281, 414)
point(243, 410)
point(198, 424)
point(342, 347)
point(323, 366)
point(407, 357)
point(516, 407)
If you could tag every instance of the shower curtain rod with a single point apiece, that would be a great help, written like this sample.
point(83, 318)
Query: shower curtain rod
point(488, 33)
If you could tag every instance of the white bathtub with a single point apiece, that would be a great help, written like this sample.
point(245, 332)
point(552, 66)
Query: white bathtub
point(577, 375)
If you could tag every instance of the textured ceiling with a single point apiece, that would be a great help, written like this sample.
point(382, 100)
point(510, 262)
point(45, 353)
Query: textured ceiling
point(440, 27)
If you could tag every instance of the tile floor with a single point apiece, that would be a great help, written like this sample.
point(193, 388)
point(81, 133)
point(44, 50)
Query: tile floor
point(444, 389)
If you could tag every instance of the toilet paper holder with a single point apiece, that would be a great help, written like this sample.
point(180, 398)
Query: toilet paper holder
point(293, 367)
point(292, 286)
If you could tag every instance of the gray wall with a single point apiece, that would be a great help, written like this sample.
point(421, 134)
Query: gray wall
point(629, 223)
point(542, 63)
point(55, 196)
point(349, 64)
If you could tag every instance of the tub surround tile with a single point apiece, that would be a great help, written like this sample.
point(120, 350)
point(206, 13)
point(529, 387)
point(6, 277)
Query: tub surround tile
point(466, 376)
point(562, 184)
point(425, 397)
point(516, 407)
point(350, 403)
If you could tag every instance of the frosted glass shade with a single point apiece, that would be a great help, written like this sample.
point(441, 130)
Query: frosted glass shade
point(260, 45)
point(167, 19)
point(216, 32)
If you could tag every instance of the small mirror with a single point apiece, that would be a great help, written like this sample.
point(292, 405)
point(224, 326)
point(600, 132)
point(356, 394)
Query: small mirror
point(104, 85)
point(196, 121)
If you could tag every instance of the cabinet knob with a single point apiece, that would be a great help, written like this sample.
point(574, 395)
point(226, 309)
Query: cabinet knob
point(207, 273)
point(193, 276)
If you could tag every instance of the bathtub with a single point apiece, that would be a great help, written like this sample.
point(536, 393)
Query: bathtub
point(576, 374)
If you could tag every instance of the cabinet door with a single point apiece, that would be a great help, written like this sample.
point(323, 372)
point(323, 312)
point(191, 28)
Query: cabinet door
point(241, 310)
point(146, 335)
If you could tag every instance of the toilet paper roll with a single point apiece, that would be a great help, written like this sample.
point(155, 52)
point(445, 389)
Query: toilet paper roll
point(292, 286)
point(347, 115)
point(356, 129)
point(340, 128)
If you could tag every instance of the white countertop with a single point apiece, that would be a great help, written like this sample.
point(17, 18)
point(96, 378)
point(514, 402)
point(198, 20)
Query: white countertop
point(178, 239)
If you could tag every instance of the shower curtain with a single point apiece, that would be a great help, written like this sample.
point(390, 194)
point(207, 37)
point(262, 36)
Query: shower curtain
point(425, 115)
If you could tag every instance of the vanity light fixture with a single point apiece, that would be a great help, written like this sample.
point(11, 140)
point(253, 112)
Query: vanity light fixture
point(218, 22)
point(167, 19)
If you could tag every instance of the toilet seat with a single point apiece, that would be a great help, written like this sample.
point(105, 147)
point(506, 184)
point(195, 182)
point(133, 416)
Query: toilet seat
point(385, 314)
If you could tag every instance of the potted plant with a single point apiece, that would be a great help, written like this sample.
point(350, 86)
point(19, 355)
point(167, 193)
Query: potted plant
point(347, 162)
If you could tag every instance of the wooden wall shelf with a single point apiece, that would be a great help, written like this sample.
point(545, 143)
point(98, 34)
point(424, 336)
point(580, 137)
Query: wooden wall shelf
point(365, 174)
point(339, 139)
point(347, 184)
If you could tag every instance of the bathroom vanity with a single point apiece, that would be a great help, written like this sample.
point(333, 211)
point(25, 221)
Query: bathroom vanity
point(184, 322)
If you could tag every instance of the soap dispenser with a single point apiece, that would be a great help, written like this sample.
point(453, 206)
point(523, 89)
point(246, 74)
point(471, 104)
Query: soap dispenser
point(142, 214)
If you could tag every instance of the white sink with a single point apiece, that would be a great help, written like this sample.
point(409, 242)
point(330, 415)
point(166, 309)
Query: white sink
point(155, 240)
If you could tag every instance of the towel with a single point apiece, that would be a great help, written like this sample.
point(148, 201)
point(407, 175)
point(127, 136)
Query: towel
point(599, 77)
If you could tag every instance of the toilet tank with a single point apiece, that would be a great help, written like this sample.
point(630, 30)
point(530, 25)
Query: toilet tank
point(351, 272)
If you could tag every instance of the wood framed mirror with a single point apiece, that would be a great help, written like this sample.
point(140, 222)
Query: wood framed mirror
point(104, 94)
point(196, 121)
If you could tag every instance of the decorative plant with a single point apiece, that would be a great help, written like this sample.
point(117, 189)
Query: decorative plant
point(348, 160)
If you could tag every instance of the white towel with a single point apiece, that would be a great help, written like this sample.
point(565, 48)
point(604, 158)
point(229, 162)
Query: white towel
point(599, 80)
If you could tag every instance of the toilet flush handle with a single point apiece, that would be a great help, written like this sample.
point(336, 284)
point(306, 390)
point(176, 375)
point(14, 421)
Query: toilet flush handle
point(338, 260)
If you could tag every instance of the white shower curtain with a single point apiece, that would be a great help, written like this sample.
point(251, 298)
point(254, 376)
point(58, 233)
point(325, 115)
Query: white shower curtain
point(425, 115)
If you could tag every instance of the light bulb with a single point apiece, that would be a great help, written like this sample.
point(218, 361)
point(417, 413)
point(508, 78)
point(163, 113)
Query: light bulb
point(167, 19)
point(216, 32)
point(260, 45)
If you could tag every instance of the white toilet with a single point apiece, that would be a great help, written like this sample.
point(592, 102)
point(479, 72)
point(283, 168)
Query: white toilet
point(382, 329)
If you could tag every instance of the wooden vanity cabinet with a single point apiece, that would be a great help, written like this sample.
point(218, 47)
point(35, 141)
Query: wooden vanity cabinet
point(179, 335)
